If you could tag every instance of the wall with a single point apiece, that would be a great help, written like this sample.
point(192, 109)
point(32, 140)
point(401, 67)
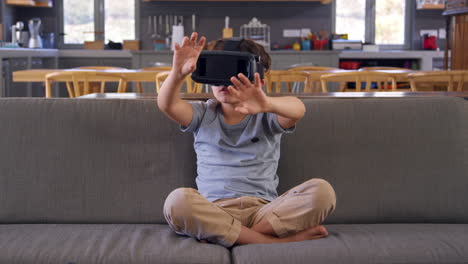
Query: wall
point(427, 19)
point(210, 18)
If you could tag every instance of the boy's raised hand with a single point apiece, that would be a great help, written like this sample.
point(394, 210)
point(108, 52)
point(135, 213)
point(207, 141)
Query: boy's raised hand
point(252, 99)
point(186, 55)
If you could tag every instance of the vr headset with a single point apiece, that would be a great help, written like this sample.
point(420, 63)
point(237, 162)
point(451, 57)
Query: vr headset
point(218, 66)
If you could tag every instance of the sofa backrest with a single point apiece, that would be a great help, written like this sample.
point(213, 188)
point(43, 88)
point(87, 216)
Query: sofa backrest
point(390, 160)
point(89, 161)
point(115, 161)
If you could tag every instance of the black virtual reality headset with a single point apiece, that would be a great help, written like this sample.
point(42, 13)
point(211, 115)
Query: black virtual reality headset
point(218, 66)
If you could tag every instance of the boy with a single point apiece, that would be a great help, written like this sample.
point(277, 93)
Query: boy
point(237, 139)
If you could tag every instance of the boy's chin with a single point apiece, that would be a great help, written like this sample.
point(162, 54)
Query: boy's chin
point(225, 99)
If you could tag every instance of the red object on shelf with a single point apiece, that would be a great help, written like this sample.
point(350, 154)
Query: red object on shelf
point(320, 44)
point(350, 65)
point(430, 43)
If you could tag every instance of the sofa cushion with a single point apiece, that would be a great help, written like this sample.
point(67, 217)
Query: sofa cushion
point(380, 243)
point(113, 244)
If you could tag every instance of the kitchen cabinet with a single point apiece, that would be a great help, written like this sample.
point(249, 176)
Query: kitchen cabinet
point(432, 7)
point(32, 3)
point(20, 89)
point(457, 13)
point(322, 1)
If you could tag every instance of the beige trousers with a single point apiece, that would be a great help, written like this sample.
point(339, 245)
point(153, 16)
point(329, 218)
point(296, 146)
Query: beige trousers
point(307, 205)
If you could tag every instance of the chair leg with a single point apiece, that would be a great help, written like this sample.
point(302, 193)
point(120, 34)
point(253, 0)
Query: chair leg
point(70, 90)
point(413, 85)
point(48, 90)
point(139, 88)
point(103, 87)
point(324, 86)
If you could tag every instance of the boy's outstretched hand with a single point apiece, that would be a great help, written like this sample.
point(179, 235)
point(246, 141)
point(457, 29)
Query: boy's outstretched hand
point(252, 99)
point(186, 55)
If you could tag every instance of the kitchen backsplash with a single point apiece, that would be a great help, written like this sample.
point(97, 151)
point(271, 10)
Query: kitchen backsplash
point(210, 17)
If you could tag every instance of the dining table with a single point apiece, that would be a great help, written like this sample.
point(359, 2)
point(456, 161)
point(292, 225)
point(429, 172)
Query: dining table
point(38, 75)
point(137, 76)
point(314, 76)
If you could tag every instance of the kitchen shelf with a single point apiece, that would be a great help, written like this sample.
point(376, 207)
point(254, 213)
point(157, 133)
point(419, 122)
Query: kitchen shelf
point(321, 1)
point(32, 3)
point(432, 7)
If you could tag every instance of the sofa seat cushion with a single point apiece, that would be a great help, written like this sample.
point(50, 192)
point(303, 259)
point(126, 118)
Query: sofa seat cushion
point(378, 243)
point(70, 243)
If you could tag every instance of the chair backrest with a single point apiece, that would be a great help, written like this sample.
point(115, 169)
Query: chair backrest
point(157, 68)
point(191, 86)
point(358, 77)
point(434, 77)
point(278, 77)
point(378, 68)
point(99, 68)
point(312, 68)
point(98, 86)
point(73, 79)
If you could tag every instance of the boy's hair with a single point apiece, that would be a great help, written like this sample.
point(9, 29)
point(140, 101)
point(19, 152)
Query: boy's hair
point(246, 45)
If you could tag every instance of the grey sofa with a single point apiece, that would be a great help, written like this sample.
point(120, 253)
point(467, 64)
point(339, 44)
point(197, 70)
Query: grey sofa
point(84, 181)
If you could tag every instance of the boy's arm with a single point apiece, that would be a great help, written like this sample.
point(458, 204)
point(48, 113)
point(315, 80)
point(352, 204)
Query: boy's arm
point(253, 100)
point(184, 62)
point(289, 110)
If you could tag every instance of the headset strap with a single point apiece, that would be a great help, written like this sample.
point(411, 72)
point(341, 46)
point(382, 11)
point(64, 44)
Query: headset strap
point(232, 44)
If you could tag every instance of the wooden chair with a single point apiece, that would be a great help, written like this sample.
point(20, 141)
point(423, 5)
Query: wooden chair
point(312, 68)
point(98, 86)
point(383, 68)
point(359, 77)
point(78, 82)
point(191, 86)
point(400, 74)
point(315, 72)
point(440, 77)
point(156, 69)
point(276, 78)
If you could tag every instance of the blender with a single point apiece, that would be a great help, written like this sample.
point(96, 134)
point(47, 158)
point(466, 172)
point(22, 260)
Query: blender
point(35, 40)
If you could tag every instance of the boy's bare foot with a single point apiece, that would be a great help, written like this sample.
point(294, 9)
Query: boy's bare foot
point(249, 236)
point(315, 232)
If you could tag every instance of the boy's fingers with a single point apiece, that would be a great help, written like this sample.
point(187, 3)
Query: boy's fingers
point(257, 80)
point(244, 80)
point(232, 90)
point(201, 43)
point(237, 83)
point(176, 46)
point(194, 36)
point(185, 41)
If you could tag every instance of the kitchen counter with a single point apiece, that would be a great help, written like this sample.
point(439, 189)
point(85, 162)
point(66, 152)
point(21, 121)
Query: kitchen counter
point(21, 53)
point(78, 53)
point(391, 54)
point(426, 57)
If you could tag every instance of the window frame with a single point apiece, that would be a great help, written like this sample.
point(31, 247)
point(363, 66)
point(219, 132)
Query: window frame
point(99, 23)
point(370, 25)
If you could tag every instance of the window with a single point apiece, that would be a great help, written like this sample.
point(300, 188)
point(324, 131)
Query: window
point(88, 20)
point(377, 21)
point(351, 18)
point(78, 19)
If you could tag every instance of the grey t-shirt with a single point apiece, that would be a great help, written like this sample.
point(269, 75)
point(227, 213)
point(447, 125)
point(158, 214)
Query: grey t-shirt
point(235, 160)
